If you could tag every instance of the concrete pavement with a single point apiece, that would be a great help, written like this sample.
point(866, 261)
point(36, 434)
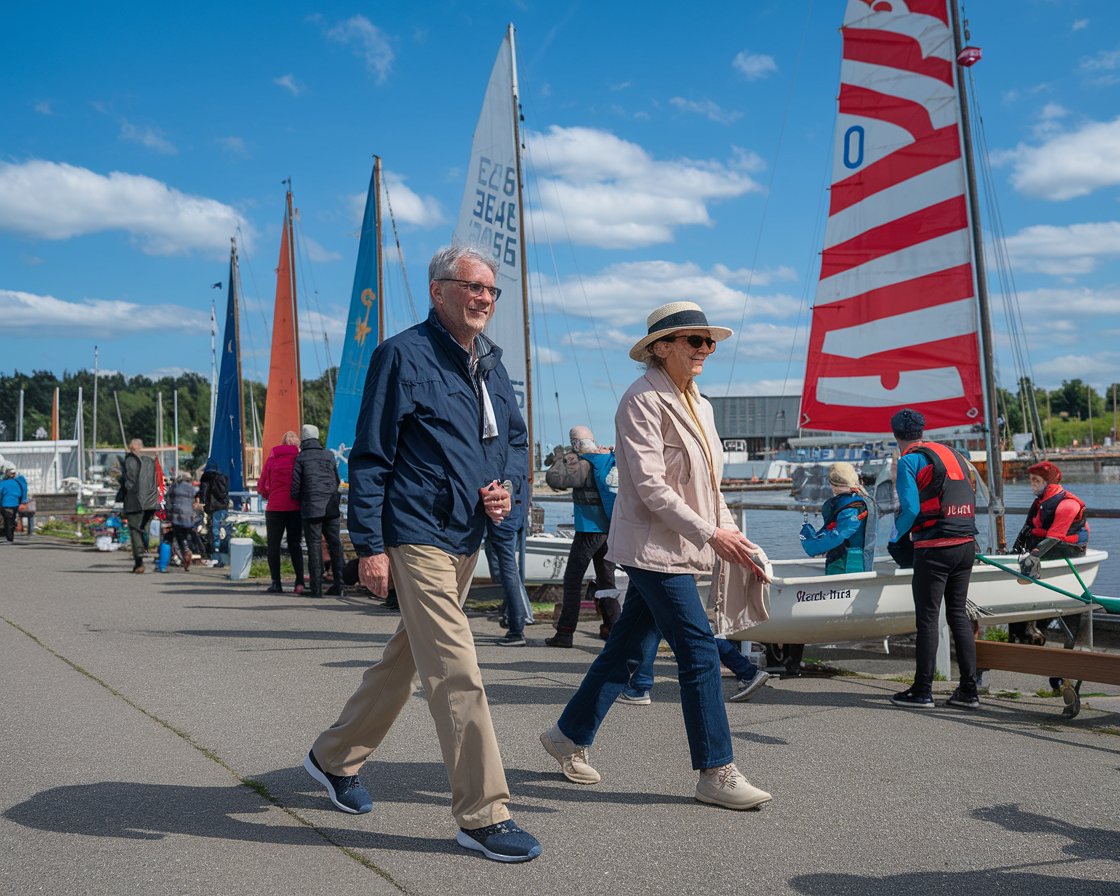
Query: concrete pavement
point(153, 728)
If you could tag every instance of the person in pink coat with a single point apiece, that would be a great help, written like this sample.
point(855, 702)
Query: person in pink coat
point(281, 515)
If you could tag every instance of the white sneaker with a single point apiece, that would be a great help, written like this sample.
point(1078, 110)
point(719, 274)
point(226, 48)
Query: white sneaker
point(725, 786)
point(746, 687)
point(571, 756)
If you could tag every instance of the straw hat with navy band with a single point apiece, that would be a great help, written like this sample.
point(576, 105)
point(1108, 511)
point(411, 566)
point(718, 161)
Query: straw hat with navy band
point(671, 318)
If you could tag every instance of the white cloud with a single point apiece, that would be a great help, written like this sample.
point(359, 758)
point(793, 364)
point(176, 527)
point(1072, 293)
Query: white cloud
point(289, 83)
point(620, 296)
point(706, 108)
point(313, 324)
point(43, 107)
point(368, 41)
point(409, 207)
point(101, 318)
point(1064, 251)
point(56, 201)
point(318, 252)
point(1080, 24)
point(754, 66)
point(1101, 69)
point(1070, 164)
point(594, 188)
point(1049, 118)
point(148, 136)
point(1096, 304)
point(1099, 368)
point(235, 146)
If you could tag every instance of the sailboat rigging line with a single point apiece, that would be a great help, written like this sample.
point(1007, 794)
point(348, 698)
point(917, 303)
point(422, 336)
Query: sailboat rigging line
point(305, 272)
point(780, 134)
point(400, 255)
point(1012, 311)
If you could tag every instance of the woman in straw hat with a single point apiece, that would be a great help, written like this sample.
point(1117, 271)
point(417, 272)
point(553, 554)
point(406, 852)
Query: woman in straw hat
point(669, 523)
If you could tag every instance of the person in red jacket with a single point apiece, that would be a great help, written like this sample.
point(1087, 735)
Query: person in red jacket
point(282, 514)
point(1055, 528)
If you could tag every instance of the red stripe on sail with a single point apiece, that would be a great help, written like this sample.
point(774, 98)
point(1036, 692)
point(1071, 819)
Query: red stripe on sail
point(930, 290)
point(906, 114)
point(894, 50)
point(930, 151)
point(926, 224)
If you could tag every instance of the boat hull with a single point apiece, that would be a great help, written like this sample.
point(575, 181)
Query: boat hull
point(808, 607)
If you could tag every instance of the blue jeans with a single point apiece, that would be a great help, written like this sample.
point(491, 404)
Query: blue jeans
point(217, 519)
point(641, 677)
point(658, 604)
point(501, 555)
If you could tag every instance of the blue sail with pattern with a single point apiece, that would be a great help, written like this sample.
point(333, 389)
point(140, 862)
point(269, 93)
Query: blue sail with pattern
point(364, 326)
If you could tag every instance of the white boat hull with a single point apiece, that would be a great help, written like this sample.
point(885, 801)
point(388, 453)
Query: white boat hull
point(546, 555)
point(808, 607)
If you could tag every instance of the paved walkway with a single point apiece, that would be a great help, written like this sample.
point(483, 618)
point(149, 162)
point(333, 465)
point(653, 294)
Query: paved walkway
point(153, 728)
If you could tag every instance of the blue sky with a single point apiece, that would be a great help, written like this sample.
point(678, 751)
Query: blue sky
point(690, 145)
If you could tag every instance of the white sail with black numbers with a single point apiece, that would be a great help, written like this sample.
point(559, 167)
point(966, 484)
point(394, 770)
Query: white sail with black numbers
point(490, 217)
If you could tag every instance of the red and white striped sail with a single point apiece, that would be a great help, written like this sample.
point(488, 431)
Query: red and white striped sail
point(895, 317)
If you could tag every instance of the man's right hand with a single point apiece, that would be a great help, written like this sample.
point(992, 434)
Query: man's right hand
point(373, 572)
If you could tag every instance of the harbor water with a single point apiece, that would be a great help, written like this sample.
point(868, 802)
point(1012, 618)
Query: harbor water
point(776, 531)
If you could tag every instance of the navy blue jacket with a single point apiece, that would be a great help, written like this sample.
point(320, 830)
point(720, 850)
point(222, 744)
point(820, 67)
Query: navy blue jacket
point(419, 457)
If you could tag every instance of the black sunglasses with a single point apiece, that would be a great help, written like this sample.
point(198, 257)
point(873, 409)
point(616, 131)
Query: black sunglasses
point(694, 341)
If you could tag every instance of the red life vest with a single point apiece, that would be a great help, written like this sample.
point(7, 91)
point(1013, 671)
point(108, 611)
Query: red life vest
point(1042, 513)
point(946, 494)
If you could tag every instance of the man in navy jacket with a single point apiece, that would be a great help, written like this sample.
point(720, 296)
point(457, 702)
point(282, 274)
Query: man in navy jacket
point(438, 433)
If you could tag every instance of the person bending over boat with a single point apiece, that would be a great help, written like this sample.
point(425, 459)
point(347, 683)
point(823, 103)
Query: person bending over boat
point(669, 522)
point(846, 539)
point(590, 472)
point(1055, 528)
point(438, 430)
point(937, 500)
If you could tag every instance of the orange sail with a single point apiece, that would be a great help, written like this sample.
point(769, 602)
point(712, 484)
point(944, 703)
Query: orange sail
point(283, 407)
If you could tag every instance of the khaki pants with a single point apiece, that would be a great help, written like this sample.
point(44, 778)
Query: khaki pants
point(434, 639)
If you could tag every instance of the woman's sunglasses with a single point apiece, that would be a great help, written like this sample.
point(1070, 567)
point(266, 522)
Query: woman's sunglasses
point(694, 341)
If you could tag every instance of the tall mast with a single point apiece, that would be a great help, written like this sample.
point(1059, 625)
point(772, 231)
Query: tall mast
point(997, 530)
point(377, 236)
point(235, 275)
point(524, 269)
point(93, 440)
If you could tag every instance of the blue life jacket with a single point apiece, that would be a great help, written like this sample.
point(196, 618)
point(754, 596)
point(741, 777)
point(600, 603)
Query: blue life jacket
point(857, 552)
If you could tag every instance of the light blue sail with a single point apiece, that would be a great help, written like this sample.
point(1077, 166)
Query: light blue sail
point(362, 334)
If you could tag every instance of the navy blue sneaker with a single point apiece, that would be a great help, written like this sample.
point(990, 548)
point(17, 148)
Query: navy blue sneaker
point(910, 699)
point(502, 842)
point(963, 699)
point(346, 792)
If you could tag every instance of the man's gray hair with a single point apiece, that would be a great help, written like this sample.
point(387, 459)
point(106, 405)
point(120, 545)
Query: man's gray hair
point(445, 262)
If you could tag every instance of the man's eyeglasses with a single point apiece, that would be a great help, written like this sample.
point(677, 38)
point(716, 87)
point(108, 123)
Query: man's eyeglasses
point(694, 341)
point(473, 287)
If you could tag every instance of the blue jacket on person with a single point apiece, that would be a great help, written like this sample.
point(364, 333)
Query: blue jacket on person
point(420, 454)
point(597, 517)
point(11, 493)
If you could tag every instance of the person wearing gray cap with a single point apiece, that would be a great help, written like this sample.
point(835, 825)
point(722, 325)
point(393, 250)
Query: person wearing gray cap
point(590, 472)
point(937, 496)
point(315, 485)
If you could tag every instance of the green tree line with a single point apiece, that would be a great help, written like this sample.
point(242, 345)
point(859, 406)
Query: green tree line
point(137, 399)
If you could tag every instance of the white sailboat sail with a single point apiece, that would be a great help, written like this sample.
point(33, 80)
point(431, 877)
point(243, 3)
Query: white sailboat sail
point(895, 317)
point(490, 216)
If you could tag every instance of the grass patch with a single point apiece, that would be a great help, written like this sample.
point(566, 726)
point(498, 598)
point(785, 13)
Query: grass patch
point(1048, 692)
point(258, 569)
point(901, 679)
point(1008, 695)
point(995, 633)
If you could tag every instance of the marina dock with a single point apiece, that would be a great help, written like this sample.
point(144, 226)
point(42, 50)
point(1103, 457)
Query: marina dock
point(154, 727)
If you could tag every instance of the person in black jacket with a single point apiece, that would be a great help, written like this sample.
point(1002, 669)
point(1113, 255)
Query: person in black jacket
point(315, 486)
point(213, 493)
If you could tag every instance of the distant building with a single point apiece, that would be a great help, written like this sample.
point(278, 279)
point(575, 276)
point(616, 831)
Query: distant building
point(757, 424)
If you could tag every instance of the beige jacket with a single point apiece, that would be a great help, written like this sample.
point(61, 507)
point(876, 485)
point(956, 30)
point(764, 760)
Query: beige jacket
point(738, 600)
point(666, 509)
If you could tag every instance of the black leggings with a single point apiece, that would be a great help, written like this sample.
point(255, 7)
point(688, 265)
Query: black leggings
point(279, 523)
point(943, 573)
